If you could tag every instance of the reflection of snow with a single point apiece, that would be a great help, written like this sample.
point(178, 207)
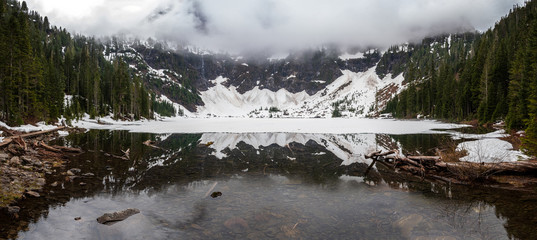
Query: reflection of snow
point(349, 148)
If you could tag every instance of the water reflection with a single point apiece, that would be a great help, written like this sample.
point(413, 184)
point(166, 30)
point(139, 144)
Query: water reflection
point(280, 186)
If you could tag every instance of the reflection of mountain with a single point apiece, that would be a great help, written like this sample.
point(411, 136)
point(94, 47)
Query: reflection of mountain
point(349, 148)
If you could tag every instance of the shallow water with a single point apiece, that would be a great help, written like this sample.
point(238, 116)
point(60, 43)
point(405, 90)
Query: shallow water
point(273, 185)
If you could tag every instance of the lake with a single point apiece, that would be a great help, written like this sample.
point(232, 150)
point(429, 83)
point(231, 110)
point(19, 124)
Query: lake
point(273, 185)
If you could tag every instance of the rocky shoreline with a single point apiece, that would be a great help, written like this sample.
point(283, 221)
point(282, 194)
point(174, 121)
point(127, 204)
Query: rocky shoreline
point(25, 160)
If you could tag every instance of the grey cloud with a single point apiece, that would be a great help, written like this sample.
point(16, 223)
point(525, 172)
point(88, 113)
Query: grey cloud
point(284, 25)
point(200, 19)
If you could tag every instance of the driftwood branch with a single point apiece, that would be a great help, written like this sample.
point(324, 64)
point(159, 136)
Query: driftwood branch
point(19, 138)
point(150, 143)
point(6, 142)
point(68, 149)
point(49, 148)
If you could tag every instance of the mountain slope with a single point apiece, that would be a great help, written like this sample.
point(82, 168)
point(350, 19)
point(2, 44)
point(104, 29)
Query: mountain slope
point(306, 84)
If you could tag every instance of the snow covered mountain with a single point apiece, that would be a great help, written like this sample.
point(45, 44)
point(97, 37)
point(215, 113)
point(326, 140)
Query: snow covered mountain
point(352, 94)
point(319, 83)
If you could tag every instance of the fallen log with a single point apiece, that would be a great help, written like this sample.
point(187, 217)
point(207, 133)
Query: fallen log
point(150, 143)
point(21, 142)
point(456, 172)
point(373, 154)
point(49, 148)
point(68, 149)
point(5, 142)
point(409, 162)
point(424, 158)
point(8, 140)
point(519, 167)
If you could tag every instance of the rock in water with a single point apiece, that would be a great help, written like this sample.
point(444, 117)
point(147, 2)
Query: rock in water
point(33, 194)
point(216, 194)
point(109, 218)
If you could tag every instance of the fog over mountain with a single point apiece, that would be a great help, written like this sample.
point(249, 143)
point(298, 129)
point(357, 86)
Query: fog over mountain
point(275, 25)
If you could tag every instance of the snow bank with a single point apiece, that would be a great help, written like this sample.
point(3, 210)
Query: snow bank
point(488, 147)
point(106, 123)
point(40, 126)
point(63, 133)
point(490, 150)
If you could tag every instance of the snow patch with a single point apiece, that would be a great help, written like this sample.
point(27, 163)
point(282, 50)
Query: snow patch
point(68, 100)
point(63, 133)
point(490, 150)
point(348, 56)
point(222, 101)
point(278, 57)
point(178, 107)
point(488, 147)
point(354, 93)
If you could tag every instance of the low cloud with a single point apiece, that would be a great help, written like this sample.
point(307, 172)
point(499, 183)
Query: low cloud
point(275, 25)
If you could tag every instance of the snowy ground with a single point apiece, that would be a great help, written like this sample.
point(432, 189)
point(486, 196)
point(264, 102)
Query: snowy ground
point(41, 126)
point(270, 125)
point(488, 148)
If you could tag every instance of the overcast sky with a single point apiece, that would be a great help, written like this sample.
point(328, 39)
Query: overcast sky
point(275, 25)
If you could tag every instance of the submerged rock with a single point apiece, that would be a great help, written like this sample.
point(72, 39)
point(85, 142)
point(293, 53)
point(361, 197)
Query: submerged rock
point(236, 224)
point(110, 218)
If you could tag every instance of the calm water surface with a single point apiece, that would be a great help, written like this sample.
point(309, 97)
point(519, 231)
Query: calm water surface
point(274, 186)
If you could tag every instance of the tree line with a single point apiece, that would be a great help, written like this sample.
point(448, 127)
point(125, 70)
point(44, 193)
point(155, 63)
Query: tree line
point(489, 77)
point(40, 64)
